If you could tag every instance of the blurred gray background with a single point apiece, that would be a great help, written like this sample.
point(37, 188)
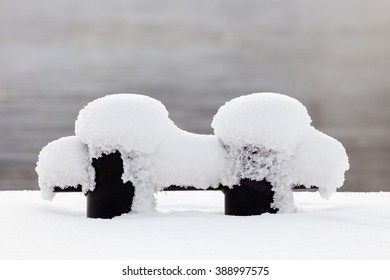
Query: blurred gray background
point(194, 55)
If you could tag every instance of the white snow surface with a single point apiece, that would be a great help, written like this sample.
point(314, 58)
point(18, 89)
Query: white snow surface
point(191, 225)
point(64, 163)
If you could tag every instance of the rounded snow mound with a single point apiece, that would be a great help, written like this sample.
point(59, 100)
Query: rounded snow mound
point(124, 122)
point(63, 163)
point(320, 161)
point(272, 120)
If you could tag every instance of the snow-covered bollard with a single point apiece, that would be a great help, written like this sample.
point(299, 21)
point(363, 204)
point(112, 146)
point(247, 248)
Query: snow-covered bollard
point(126, 148)
point(131, 149)
point(135, 148)
point(66, 164)
point(269, 139)
point(121, 131)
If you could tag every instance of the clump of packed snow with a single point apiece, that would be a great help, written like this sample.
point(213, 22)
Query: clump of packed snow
point(261, 136)
point(188, 159)
point(123, 122)
point(320, 161)
point(64, 163)
point(269, 136)
point(273, 120)
point(183, 159)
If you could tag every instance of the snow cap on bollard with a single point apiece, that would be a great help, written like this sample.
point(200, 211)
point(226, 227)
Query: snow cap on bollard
point(269, 137)
point(272, 120)
point(124, 122)
point(117, 129)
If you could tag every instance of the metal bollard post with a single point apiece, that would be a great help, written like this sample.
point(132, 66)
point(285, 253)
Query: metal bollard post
point(111, 197)
point(249, 198)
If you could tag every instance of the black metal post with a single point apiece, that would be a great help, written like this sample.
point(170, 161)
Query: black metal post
point(249, 198)
point(111, 197)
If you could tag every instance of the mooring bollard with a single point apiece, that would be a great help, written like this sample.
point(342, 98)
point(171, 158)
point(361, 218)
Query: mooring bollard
point(263, 145)
point(111, 197)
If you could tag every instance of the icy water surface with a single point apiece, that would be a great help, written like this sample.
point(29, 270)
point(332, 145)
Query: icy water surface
point(334, 56)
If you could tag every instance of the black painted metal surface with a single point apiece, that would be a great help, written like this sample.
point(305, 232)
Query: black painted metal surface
point(111, 197)
point(249, 198)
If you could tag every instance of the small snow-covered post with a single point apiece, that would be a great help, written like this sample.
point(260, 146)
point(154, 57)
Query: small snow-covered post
point(265, 135)
point(65, 164)
point(259, 132)
point(121, 131)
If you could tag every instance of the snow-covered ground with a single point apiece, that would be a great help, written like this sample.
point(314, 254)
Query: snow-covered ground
point(191, 225)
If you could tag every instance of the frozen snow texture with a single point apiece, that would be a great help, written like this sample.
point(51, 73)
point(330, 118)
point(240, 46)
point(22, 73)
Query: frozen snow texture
point(137, 169)
point(259, 163)
point(269, 136)
point(64, 163)
point(123, 122)
point(187, 159)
